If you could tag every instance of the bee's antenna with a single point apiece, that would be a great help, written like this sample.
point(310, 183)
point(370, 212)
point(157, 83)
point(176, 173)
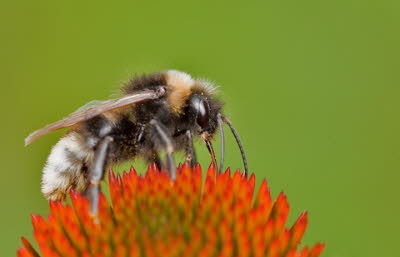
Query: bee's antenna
point(209, 147)
point(236, 135)
point(222, 135)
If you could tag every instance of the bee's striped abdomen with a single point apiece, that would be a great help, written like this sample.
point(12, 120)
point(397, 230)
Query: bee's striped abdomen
point(66, 167)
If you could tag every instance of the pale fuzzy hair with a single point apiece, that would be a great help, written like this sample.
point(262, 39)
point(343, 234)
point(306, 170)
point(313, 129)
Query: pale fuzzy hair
point(208, 86)
point(181, 84)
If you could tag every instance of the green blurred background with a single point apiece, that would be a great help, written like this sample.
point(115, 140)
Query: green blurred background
point(312, 87)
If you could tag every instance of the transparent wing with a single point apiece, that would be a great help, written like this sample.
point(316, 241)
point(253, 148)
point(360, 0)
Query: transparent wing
point(89, 105)
point(95, 108)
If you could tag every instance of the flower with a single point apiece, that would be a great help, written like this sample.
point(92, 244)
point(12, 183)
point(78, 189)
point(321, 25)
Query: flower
point(152, 216)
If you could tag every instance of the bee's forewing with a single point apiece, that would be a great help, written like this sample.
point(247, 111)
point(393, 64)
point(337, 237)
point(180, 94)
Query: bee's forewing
point(89, 111)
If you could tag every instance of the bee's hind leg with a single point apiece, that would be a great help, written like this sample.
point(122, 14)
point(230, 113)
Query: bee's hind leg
point(96, 173)
point(167, 144)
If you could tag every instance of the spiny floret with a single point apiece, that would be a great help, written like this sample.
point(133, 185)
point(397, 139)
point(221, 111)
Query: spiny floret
point(152, 216)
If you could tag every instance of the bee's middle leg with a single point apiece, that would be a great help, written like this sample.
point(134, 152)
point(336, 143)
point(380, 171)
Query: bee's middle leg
point(96, 173)
point(167, 144)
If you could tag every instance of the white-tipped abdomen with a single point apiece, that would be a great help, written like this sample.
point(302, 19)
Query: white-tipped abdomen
point(65, 167)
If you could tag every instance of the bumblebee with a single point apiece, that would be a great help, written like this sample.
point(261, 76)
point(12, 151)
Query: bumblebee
point(158, 113)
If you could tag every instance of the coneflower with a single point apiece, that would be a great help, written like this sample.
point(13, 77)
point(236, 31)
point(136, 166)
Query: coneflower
point(151, 216)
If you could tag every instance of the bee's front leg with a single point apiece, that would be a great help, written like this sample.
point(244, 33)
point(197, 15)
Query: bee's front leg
point(96, 173)
point(190, 151)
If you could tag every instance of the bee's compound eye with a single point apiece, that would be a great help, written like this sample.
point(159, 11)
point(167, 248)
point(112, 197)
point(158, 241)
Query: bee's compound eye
point(201, 109)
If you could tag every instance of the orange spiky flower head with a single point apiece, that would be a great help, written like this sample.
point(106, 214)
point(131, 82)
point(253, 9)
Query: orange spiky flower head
point(151, 216)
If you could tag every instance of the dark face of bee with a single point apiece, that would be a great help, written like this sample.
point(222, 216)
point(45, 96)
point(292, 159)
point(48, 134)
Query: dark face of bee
point(203, 111)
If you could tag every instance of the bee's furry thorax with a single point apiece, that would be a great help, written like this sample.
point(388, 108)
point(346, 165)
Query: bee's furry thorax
point(180, 84)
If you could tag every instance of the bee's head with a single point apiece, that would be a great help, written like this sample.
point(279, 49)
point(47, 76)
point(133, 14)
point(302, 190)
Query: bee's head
point(203, 113)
